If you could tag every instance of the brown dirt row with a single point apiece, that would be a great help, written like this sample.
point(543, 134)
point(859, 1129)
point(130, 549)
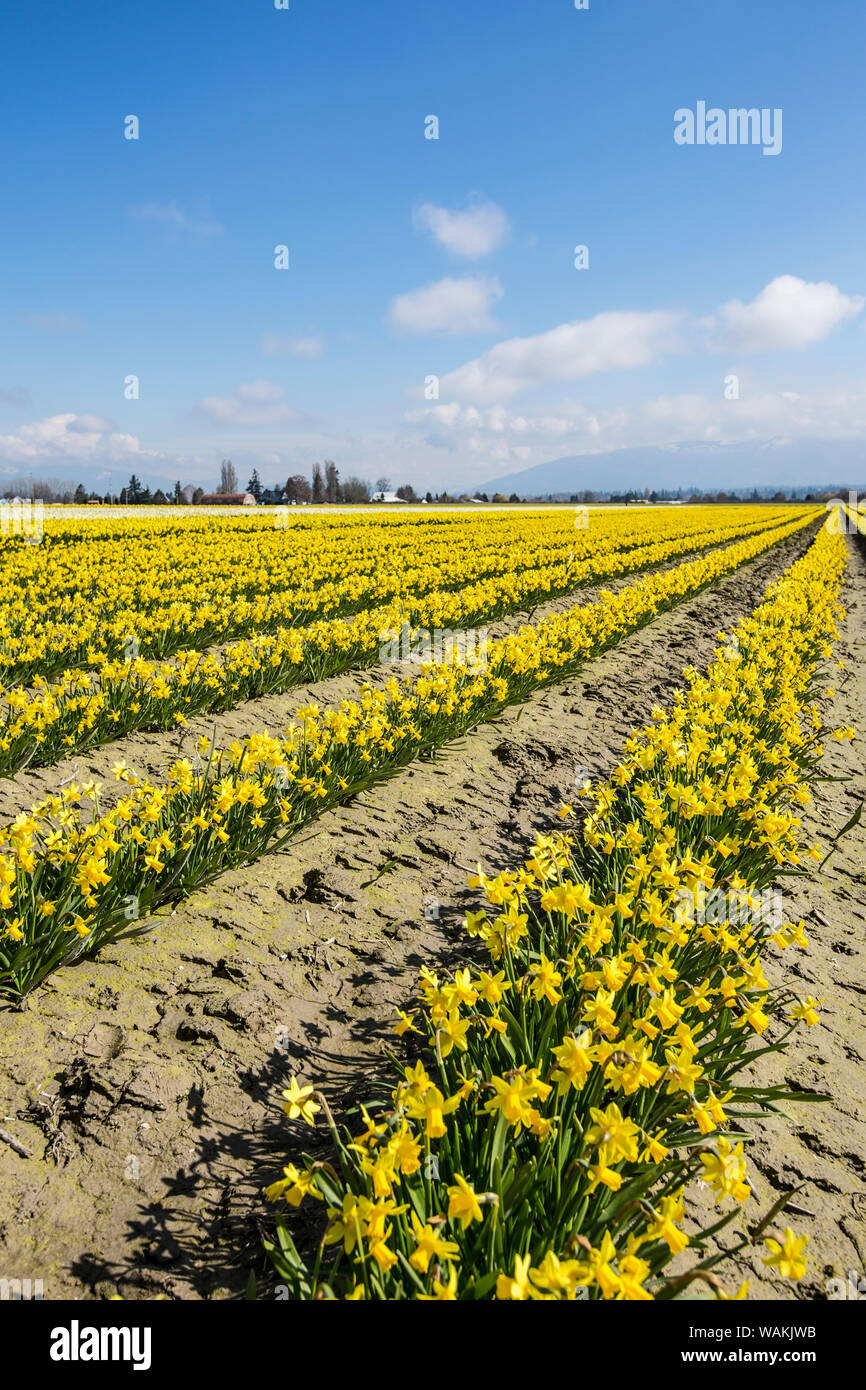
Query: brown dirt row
point(146, 1082)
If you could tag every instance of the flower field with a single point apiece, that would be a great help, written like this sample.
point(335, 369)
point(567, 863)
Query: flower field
point(199, 710)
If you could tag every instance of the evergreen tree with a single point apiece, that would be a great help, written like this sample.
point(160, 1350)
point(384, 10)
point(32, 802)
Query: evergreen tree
point(332, 481)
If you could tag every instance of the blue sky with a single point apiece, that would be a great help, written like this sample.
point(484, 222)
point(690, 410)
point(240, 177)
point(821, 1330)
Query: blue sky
point(412, 258)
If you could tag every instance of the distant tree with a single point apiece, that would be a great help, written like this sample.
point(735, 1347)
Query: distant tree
point(332, 481)
point(356, 490)
point(318, 484)
point(159, 498)
point(107, 499)
point(133, 490)
point(45, 489)
point(80, 495)
point(178, 496)
point(198, 494)
point(779, 497)
point(428, 497)
point(254, 486)
point(123, 497)
point(499, 497)
point(228, 477)
point(407, 492)
point(383, 484)
point(514, 497)
point(297, 489)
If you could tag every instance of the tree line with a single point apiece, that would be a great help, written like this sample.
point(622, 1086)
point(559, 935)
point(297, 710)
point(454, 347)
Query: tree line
point(325, 486)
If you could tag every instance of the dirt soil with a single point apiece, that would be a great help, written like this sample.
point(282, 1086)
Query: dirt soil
point(146, 1083)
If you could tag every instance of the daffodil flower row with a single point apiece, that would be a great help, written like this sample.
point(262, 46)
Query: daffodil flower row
point(72, 878)
point(567, 1090)
point(93, 593)
point(86, 709)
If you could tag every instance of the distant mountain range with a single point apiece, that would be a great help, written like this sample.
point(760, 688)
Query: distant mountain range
point(808, 465)
point(811, 464)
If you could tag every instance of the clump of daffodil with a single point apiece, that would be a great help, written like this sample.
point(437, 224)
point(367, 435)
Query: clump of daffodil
point(566, 1096)
point(228, 806)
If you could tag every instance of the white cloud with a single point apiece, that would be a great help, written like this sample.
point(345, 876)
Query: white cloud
point(573, 350)
point(278, 345)
point(89, 424)
point(788, 313)
point(504, 436)
point(448, 306)
point(199, 223)
point(255, 403)
point(85, 437)
point(123, 445)
point(471, 233)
